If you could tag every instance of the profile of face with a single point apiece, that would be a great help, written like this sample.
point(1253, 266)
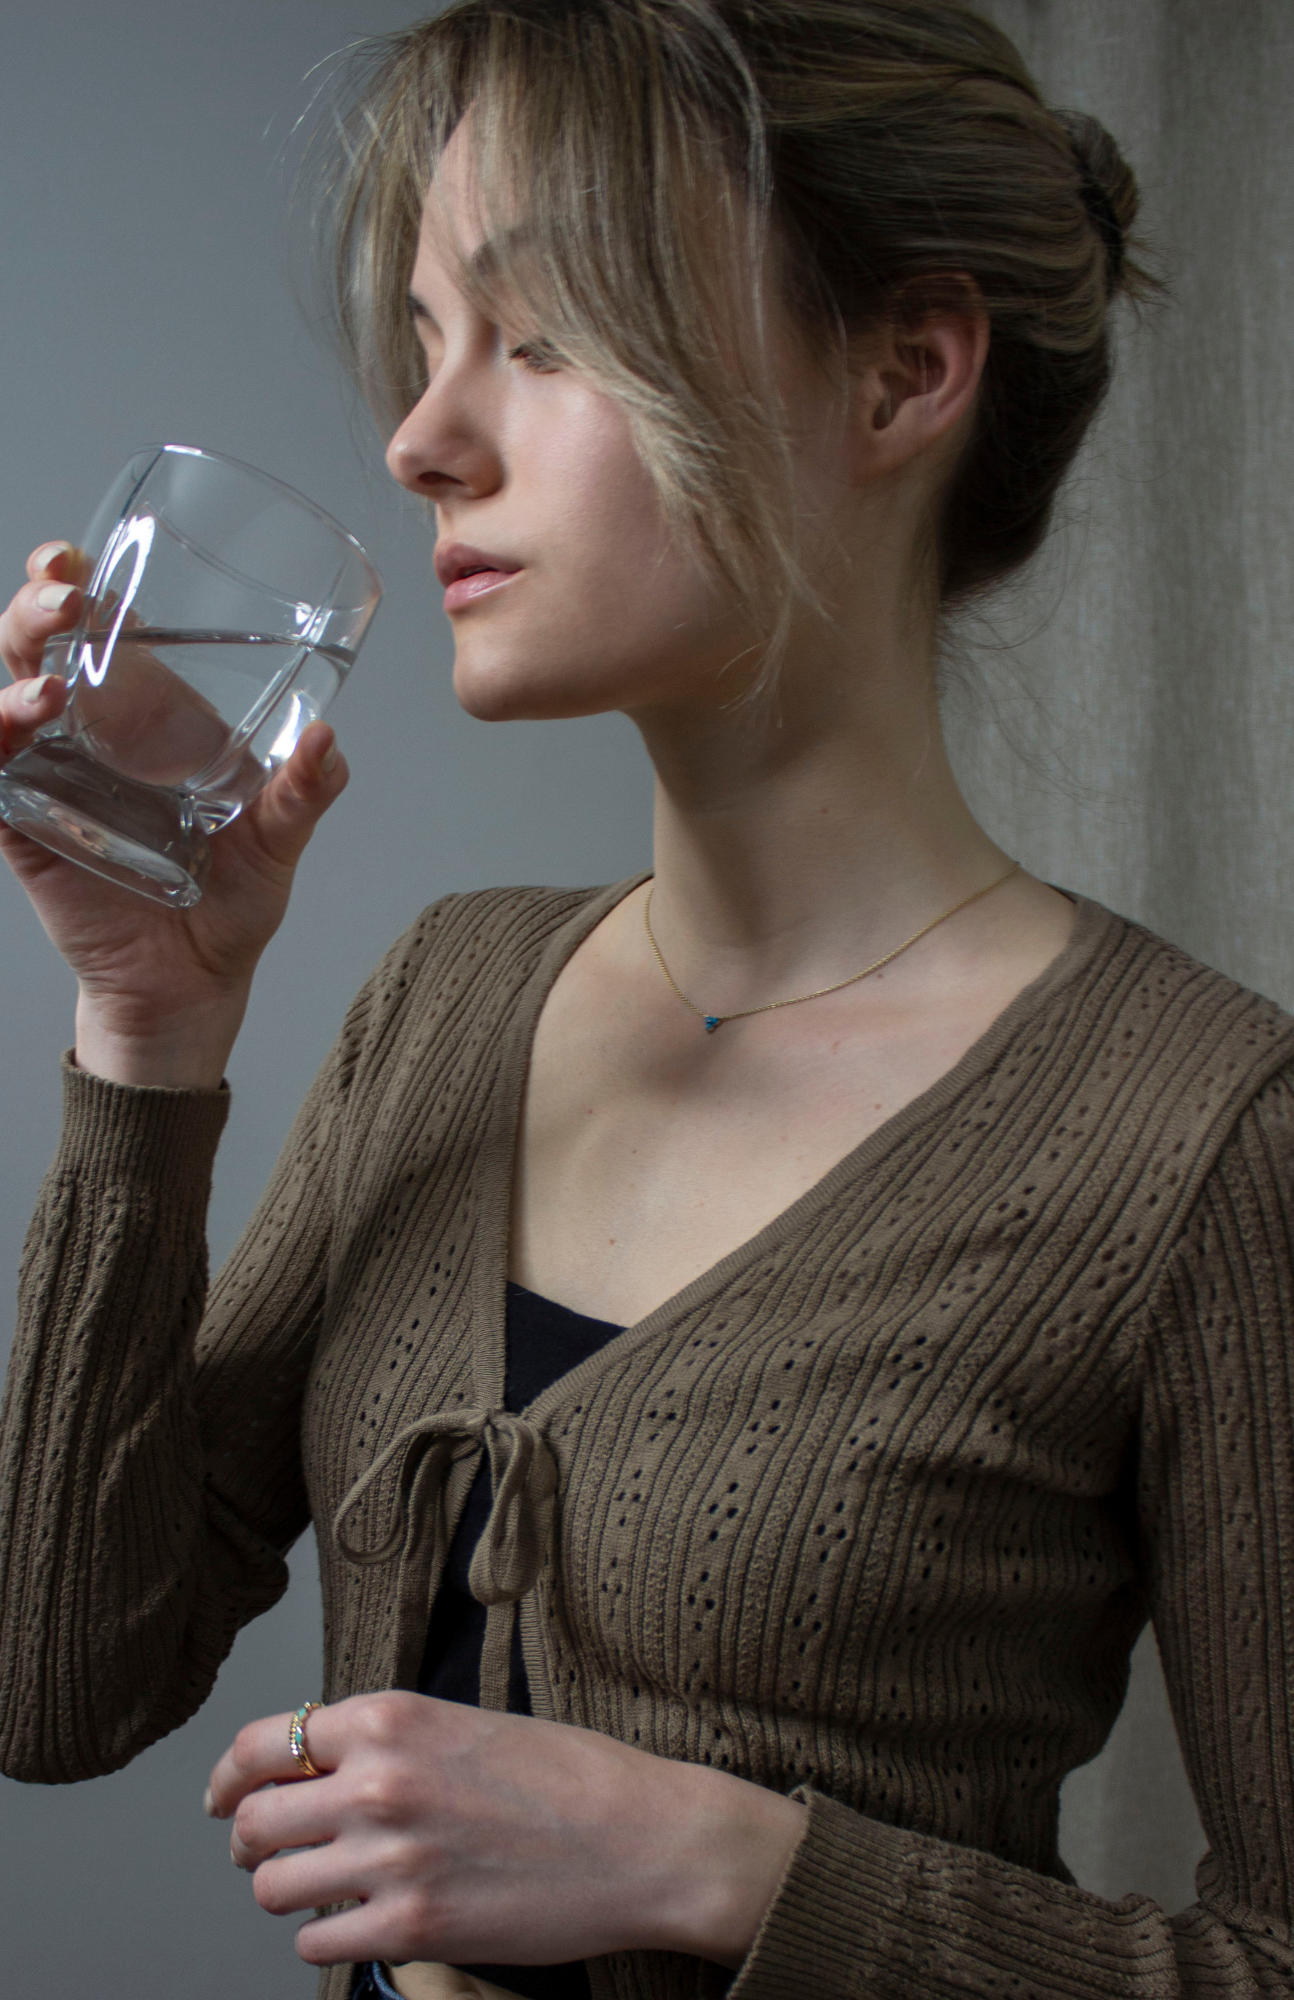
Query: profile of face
point(582, 601)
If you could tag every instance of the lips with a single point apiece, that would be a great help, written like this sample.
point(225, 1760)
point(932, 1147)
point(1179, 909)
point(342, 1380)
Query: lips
point(468, 573)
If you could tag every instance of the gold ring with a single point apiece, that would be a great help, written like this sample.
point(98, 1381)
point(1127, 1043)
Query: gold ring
point(297, 1740)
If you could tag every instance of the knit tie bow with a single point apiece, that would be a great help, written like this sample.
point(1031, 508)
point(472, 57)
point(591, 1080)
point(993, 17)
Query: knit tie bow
point(523, 1476)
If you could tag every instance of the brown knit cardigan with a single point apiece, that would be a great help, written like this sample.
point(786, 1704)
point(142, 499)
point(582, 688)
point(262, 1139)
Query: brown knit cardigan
point(875, 1507)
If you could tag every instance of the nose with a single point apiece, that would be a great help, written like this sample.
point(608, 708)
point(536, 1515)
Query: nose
point(446, 447)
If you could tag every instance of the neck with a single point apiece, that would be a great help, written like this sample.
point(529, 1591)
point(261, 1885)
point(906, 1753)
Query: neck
point(799, 836)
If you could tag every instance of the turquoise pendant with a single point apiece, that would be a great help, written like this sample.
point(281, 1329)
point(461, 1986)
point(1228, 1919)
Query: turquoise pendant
point(712, 1021)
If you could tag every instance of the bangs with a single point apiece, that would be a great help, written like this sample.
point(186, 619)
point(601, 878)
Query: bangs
point(618, 204)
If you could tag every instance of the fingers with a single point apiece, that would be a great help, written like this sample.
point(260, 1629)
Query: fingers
point(58, 560)
point(26, 707)
point(292, 804)
point(361, 1933)
point(48, 603)
point(259, 1755)
point(284, 1815)
point(304, 1881)
point(316, 760)
point(384, 1917)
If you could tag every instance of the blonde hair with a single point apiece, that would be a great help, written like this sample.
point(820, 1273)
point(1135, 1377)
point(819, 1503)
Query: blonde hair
point(641, 165)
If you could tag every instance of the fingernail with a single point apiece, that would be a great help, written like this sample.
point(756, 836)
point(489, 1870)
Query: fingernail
point(35, 689)
point(208, 1804)
point(53, 596)
point(328, 762)
point(45, 556)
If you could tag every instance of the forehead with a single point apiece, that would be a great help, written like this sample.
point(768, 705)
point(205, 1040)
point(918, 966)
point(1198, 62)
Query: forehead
point(463, 235)
point(454, 187)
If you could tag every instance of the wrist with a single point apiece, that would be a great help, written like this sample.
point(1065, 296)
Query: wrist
point(742, 1840)
point(129, 1044)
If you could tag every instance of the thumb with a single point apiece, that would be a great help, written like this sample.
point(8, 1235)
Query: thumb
point(287, 812)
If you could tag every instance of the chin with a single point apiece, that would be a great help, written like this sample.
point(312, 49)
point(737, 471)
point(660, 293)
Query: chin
point(502, 690)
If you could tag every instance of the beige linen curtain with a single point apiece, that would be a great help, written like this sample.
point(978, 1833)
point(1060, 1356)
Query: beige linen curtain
point(1125, 723)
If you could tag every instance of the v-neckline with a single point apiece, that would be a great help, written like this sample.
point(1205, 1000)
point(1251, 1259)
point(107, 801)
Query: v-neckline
point(1092, 923)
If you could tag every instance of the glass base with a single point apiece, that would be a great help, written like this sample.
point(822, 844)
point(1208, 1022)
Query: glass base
point(141, 836)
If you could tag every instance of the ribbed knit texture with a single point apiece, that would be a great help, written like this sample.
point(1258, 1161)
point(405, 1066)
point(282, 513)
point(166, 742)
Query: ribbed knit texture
point(875, 1507)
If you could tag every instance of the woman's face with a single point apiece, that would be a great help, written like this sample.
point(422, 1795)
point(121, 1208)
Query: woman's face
point(582, 602)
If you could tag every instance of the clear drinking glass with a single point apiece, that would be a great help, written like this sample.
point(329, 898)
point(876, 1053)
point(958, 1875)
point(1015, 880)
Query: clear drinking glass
point(223, 614)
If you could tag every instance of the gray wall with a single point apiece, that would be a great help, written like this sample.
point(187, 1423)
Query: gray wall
point(143, 246)
point(146, 295)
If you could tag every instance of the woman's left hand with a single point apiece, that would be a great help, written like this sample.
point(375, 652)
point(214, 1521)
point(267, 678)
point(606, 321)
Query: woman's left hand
point(469, 1837)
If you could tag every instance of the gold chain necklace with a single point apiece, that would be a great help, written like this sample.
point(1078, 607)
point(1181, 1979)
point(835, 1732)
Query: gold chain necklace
point(713, 1021)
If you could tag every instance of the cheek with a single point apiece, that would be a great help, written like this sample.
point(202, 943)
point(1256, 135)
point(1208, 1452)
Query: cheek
point(615, 611)
point(607, 537)
point(579, 476)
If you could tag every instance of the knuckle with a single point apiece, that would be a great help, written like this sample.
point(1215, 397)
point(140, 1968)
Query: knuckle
point(404, 1859)
point(243, 1749)
point(268, 1890)
point(410, 1927)
point(380, 1795)
point(384, 1719)
point(248, 1822)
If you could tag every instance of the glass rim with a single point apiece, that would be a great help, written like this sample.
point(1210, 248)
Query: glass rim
point(330, 521)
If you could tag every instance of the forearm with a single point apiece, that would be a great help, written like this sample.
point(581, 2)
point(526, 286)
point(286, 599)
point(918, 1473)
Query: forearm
point(101, 1505)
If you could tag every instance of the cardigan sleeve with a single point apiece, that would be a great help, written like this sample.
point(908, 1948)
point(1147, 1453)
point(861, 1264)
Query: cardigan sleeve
point(866, 1908)
point(150, 1477)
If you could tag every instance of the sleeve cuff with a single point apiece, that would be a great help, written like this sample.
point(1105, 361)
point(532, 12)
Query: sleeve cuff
point(867, 1908)
point(115, 1133)
point(807, 1945)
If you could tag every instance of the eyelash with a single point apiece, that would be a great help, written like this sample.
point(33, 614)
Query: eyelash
point(538, 359)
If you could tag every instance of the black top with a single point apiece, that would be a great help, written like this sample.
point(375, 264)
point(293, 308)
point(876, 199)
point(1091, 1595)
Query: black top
point(544, 1341)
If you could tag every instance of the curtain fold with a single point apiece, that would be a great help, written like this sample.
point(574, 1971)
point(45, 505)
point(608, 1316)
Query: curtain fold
point(1123, 720)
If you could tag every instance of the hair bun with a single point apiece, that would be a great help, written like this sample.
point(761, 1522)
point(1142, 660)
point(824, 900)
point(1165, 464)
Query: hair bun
point(1107, 185)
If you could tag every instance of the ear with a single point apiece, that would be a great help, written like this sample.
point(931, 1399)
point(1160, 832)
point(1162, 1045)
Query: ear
point(915, 384)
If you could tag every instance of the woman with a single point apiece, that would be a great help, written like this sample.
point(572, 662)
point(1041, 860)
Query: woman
point(756, 1342)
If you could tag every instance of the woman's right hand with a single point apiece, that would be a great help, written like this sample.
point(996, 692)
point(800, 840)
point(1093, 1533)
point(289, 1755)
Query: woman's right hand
point(162, 991)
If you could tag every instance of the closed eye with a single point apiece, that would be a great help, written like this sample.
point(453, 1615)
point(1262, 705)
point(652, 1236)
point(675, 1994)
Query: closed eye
point(537, 356)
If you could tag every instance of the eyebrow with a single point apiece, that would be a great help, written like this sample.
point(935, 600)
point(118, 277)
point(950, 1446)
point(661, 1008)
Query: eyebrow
point(490, 257)
point(487, 261)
